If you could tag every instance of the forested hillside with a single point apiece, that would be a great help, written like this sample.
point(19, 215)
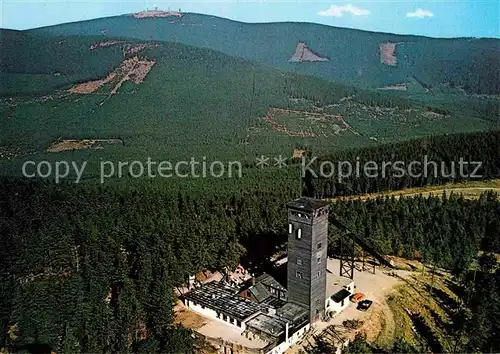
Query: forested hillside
point(88, 269)
point(438, 162)
point(195, 102)
point(33, 64)
point(448, 231)
point(353, 55)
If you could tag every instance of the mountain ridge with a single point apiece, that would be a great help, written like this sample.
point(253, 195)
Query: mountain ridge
point(354, 54)
point(265, 22)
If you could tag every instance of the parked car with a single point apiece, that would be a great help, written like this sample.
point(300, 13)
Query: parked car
point(357, 297)
point(364, 305)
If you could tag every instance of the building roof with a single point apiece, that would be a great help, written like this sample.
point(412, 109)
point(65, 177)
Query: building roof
point(307, 204)
point(274, 302)
point(270, 325)
point(224, 299)
point(274, 324)
point(340, 295)
point(292, 312)
point(268, 280)
point(259, 291)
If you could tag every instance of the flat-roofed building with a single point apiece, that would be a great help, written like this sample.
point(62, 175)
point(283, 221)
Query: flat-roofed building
point(216, 300)
point(338, 291)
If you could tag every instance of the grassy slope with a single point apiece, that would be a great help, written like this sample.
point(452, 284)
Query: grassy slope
point(353, 54)
point(434, 312)
point(469, 189)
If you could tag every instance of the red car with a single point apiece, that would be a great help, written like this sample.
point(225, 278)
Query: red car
point(357, 297)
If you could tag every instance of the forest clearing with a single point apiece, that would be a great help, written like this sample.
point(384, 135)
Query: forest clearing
point(75, 144)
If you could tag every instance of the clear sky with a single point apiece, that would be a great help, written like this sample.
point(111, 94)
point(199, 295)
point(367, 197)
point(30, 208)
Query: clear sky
point(448, 18)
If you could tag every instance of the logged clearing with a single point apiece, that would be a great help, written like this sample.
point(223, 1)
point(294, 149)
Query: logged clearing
point(133, 69)
point(396, 87)
point(388, 53)
point(9, 152)
point(135, 48)
point(91, 86)
point(298, 153)
point(469, 190)
point(71, 144)
point(128, 48)
point(434, 115)
point(306, 124)
point(104, 44)
point(303, 53)
point(367, 115)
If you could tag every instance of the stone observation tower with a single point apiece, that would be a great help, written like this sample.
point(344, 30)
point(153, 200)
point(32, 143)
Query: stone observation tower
point(307, 254)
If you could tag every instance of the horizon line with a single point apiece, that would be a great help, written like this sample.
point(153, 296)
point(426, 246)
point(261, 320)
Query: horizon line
point(248, 23)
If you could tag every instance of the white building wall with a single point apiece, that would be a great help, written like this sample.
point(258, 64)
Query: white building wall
point(213, 315)
point(338, 307)
point(292, 339)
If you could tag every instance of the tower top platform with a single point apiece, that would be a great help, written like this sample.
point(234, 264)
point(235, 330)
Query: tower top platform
point(307, 204)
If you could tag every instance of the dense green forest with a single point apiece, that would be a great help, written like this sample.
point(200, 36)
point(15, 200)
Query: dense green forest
point(438, 163)
point(444, 231)
point(91, 270)
point(117, 252)
point(88, 267)
point(198, 102)
point(217, 110)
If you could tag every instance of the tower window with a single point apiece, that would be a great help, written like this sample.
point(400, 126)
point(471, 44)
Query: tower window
point(320, 245)
point(319, 273)
point(299, 234)
point(290, 228)
point(319, 260)
point(298, 274)
point(299, 261)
